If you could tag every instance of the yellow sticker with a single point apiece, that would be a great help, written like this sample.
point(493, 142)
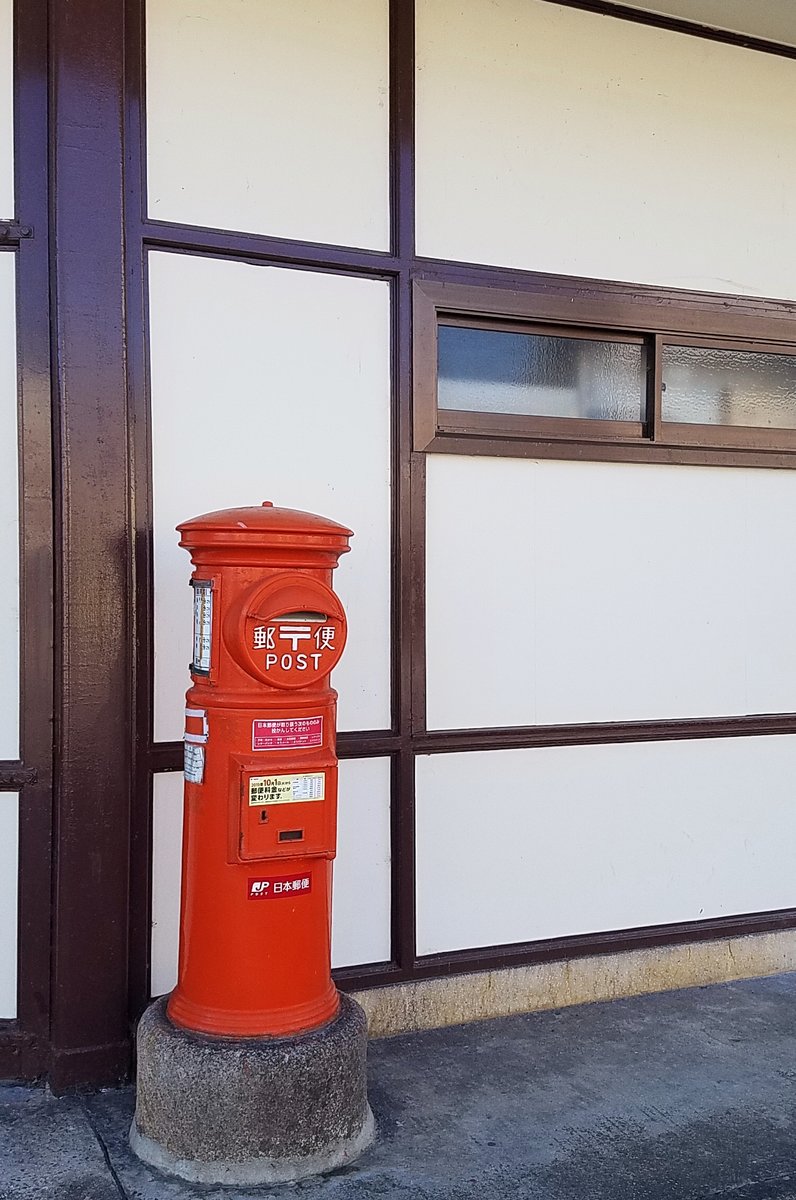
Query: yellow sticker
point(286, 789)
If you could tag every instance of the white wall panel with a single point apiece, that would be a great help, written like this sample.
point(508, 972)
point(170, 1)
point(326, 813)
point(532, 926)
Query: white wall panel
point(566, 141)
point(270, 116)
point(272, 384)
point(166, 880)
point(362, 906)
point(9, 870)
point(361, 909)
point(9, 515)
point(564, 592)
point(6, 109)
point(517, 845)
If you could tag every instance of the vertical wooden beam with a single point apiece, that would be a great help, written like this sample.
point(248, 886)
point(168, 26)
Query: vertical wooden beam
point(90, 1035)
point(408, 477)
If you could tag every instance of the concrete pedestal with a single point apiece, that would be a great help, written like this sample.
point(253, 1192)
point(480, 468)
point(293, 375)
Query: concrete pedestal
point(241, 1111)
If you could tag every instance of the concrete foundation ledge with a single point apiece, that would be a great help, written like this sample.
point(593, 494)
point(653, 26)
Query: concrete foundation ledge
point(248, 1111)
point(456, 999)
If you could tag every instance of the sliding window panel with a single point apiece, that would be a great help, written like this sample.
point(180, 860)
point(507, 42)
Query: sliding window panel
point(9, 514)
point(538, 375)
point(553, 139)
point(270, 116)
point(707, 385)
point(361, 897)
point(6, 109)
point(361, 906)
point(525, 845)
point(568, 592)
point(9, 875)
point(272, 384)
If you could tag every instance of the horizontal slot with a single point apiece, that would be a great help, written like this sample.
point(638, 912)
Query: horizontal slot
point(291, 835)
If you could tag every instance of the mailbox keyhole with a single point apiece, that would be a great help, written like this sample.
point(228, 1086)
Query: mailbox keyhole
point(263, 817)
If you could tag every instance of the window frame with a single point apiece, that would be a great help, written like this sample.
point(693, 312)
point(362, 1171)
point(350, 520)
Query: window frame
point(518, 425)
point(682, 433)
point(568, 308)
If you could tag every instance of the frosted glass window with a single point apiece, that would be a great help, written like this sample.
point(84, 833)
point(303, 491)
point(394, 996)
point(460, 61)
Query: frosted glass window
point(704, 386)
point(493, 370)
point(270, 116)
point(9, 515)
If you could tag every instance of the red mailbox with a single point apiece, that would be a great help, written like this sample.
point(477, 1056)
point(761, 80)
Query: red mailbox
point(260, 822)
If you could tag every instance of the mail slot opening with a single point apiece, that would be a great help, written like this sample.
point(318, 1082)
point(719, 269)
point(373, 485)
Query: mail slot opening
point(302, 615)
point(291, 835)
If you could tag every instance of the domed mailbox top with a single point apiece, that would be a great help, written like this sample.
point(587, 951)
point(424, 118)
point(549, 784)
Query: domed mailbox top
point(232, 533)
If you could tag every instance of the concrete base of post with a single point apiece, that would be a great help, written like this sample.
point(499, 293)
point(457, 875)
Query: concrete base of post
point(245, 1111)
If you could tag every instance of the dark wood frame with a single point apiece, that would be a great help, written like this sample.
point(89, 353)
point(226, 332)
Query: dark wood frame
point(572, 312)
point(84, 964)
point(95, 683)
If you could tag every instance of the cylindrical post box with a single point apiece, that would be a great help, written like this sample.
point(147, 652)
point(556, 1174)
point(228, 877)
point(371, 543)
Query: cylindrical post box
point(261, 773)
point(278, 1091)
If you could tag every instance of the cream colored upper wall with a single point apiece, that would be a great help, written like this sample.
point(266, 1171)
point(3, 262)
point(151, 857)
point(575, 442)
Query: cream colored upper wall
point(774, 20)
point(566, 592)
point(272, 384)
point(558, 140)
point(6, 109)
point(270, 116)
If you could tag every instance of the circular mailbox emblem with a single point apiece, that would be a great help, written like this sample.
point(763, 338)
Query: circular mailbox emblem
point(291, 632)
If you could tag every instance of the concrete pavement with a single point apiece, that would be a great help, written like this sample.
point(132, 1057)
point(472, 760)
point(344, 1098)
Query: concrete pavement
point(688, 1095)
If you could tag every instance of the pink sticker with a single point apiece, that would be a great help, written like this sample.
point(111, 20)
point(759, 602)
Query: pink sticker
point(288, 733)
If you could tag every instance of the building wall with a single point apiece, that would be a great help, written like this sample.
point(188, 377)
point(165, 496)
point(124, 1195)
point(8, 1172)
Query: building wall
point(558, 593)
point(558, 140)
point(582, 839)
point(566, 720)
point(544, 579)
point(270, 118)
point(280, 377)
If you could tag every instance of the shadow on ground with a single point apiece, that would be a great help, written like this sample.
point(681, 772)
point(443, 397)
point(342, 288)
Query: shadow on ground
point(689, 1095)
